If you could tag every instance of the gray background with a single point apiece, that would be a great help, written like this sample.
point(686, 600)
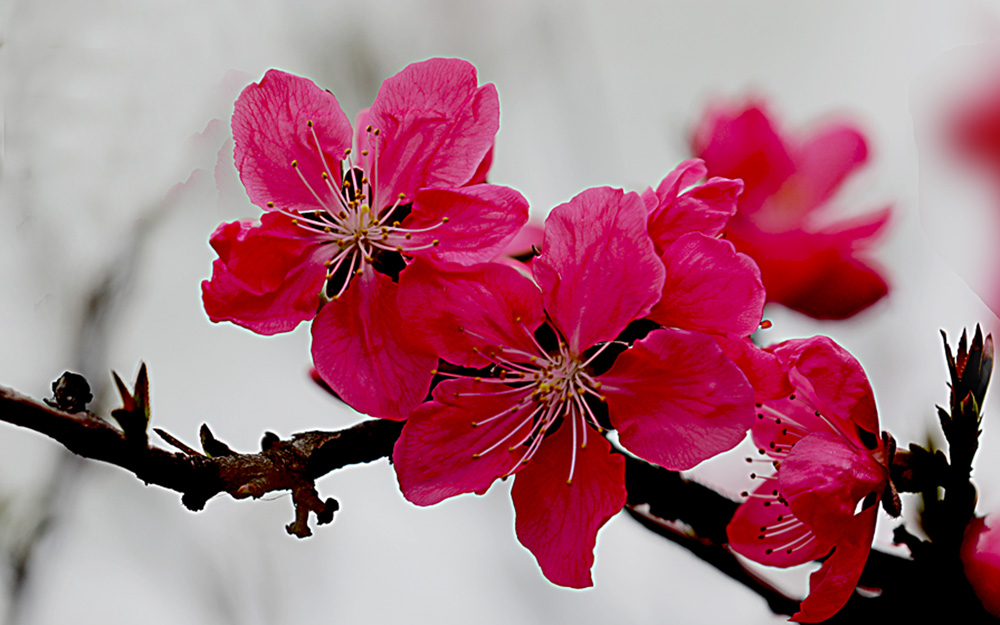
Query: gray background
point(114, 114)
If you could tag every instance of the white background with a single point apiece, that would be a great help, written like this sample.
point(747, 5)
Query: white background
point(109, 105)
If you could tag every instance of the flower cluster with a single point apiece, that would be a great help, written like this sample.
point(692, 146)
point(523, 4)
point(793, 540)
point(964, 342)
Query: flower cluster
point(633, 317)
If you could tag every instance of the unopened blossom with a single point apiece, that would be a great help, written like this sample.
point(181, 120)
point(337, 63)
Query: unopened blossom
point(822, 469)
point(345, 212)
point(537, 374)
point(810, 260)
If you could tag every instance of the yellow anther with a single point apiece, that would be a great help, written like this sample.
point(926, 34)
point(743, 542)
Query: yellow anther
point(402, 196)
point(295, 221)
point(597, 385)
point(364, 180)
point(270, 204)
point(368, 258)
point(475, 424)
point(395, 224)
point(434, 371)
point(327, 229)
point(347, 152)
point(327, 263)
point(365, 209)
point(357, 271)
point(377, 130)
point(399, 248)
point(364, 152)
point(309, 123)
point(325, 176)
point(445, 220)
point(517, 320)
point(369, 128)
point(435, 243)
point(295, 163)
point(408, 236)
point(475, 456)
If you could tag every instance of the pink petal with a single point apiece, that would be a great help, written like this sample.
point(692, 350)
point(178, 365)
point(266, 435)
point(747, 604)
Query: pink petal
point(761, 367)
point(487, 308)
point(598, 270)
point(743, 144)
point(685, 175)
point(479, 177)
point(434, 456)
point(363, 351)
point(268, 276)
point(558, 522)
point(764, 530)
point(705, 208)
point(827, 158)
point(843, 289)
point(814, 273)
point(824, 478)
point(676, 399)
point(710, 288)
point(833, 379)
point(271, 129)
point(481, 220)
point(832, 586)
point(436, 126)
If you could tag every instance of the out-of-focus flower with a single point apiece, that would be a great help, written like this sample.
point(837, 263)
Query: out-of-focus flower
point(544, 377)
point(808, 261)
point(831, 471)
point(341, 223)
point(980, 554)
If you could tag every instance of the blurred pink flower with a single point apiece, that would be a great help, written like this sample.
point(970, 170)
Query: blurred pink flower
point(831, 471)
point(808, 262)
point(341, 223)
point(550, 377)
point(980, 554)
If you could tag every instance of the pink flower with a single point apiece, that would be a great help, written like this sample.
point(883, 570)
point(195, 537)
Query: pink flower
point(808, 262)
point(543, 374)
point(980, 554)
point(341, 223)
point(832, 470)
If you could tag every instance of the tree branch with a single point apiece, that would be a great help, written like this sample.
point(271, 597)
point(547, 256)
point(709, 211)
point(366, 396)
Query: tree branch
point(293, 464)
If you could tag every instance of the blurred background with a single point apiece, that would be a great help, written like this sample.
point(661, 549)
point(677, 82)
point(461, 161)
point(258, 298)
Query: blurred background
point(116, 168)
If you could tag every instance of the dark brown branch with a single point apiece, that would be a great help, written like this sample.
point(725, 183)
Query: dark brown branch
point(293, 464)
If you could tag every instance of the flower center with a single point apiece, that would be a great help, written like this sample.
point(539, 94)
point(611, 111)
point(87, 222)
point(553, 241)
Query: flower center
point(547, 388)
point(362, 228)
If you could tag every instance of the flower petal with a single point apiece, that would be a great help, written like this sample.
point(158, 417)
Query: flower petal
point(833, 380)
point(706, 208)
point(761, 367)
point(598, 270)
point(676, 399)
point(710, 288)
point(824, 478)
point(833, 584)
point(685, 175)
point(268, 276)
point(434, 456)
point(361, 349)
point(743, 144)
point(436, 127)
point(827, 158)
point(485, 308)
point(558, 522)
point(470, 224)
point(271, 129)
point(766, 531)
